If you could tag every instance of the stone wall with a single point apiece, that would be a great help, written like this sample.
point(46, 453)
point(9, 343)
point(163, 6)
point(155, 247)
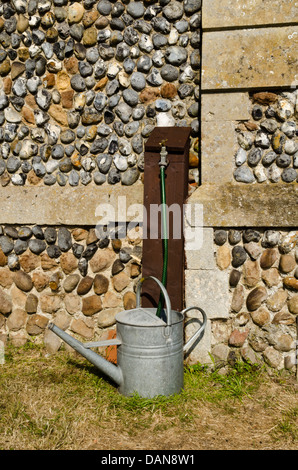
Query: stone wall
point(82, 86)
point(247, 282)
point(77, 277)
point(268, 142)
point(244, 270)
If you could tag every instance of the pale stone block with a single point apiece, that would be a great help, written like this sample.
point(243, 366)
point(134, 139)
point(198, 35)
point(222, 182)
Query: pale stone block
point(199, 352)
point(209, 290)
point(249, 58)
point(225, 14)
point(240, 205)
point(202, 258)
point(219, 143)
point(226, 107)
point(219, 140)
point(57, 205)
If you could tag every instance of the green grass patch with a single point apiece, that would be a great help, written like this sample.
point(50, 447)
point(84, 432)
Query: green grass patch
point(62, 402)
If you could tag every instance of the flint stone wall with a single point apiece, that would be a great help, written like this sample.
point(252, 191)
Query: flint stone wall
point(244, 269)
point(82, 86)
point(246, 280)
point(77, 277)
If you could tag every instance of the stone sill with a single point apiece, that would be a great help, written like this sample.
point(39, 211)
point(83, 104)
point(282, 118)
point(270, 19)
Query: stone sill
point(240, 14)
point(241, 205)
point(228, 205)
point(57, 205)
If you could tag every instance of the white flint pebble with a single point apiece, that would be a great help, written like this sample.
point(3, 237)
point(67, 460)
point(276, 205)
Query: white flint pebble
point(240, 157)
point(173, 37)
point(260, 174)
point(11, 115)
point(17, 180)
point(51, 166)
point(273, 173)
point(164, 119)
point(120, 162)
point(291, 147)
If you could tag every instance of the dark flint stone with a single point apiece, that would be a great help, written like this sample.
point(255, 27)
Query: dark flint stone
point(257, 112)
point(59, 49)
point(69, 47)
point(50, 235)
point(17, 102)
point(239, 256)
point(83, 266)
point(37, 246)
point(11, 232)
point(269, 158)
point(49, 180)
point(289, 175)
point(254, 157)
point(113, 146)
point(37, 232)
point(220, 237)
point(24, 233)
point(64, 239)
point(77, 250)
point(251, 235)
point(234, 236)
point(114, 176)
point(124, 256)
point(99, 145)
point(90, 250)
point(103, 243)
point(65, 165)
point(117, 267)
point(83, 149)
point(6, 244)
point(283, 160)
point(20, 246)
point(128, 20)
point(234, 277)
point(104, 163)
point(117, 24)
point(53, 251)
point(270, 112)
point(109, 117)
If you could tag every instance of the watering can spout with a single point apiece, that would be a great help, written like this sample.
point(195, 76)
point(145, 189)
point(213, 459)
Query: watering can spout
point(110, 370)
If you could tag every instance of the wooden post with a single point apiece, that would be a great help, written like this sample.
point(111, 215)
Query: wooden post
point(177, 145)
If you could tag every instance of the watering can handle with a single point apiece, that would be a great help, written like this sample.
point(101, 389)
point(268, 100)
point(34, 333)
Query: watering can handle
point(199, 331)
point(165, 294)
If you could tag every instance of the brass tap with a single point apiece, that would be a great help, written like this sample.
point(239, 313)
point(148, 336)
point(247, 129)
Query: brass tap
point(163, 153)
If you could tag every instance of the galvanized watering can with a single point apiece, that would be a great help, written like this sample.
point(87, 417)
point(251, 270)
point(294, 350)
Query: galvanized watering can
point(150, 350)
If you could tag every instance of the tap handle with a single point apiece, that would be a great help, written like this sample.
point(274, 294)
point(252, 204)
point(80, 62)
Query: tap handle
point(163, 142)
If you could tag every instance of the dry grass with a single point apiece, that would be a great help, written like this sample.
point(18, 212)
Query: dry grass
point(62, 402)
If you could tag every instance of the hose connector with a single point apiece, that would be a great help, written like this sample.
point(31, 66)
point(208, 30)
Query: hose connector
point(163, 154)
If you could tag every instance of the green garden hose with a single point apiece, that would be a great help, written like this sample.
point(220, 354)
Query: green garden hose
point(163, 164)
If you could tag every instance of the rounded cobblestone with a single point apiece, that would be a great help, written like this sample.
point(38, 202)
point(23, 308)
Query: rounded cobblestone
point(72, 66)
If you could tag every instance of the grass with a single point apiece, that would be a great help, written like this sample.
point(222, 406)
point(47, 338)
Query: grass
point(62, 402)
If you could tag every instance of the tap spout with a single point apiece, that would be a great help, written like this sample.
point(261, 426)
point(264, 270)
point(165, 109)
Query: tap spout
point(111, 370)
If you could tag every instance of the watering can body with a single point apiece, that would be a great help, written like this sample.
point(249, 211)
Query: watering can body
point(150, 350)
point(150, 354)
